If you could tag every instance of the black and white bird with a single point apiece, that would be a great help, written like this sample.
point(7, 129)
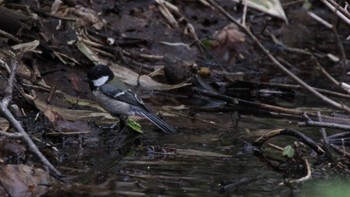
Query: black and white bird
point(119, 100)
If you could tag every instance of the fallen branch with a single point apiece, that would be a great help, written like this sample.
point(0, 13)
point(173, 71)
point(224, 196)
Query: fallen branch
point(340, 12)
point(8, 115)
point(272, 109)
point(325, 139)
point(331, 125)
point(341, 151)
point(302, 179)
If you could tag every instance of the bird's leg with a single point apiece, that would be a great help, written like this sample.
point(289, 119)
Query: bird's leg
point(123, 122)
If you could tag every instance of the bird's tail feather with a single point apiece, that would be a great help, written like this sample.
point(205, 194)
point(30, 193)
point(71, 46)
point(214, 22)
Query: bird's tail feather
point(165, 127)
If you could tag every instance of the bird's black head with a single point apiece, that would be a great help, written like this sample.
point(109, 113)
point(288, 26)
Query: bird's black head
point(99, 75)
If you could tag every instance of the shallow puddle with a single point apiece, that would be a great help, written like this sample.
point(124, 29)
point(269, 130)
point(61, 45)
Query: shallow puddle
point(190, 163)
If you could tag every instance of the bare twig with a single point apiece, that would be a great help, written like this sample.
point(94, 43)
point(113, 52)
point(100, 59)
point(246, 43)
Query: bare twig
point(341, 12)
point(320, 20)
point(298, 87)
point(299, 135)
point(276, 62)
point(342, 85)
point(340, 151)
point(11, 135)
point(331, 125)
point(8, 115)
point(340, 47)
point(244, 13)
point(288, 48)
point(10, 36)
point(279, 110)
point(339, 135)
point(323, 130)
point(325, 73)
point(325, 139)
point(306, 177)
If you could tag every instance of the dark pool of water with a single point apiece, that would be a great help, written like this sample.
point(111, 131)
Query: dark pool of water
point(194, 163)
point(220, 157)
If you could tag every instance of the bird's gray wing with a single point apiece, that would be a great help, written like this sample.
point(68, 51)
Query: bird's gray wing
point(126, 96)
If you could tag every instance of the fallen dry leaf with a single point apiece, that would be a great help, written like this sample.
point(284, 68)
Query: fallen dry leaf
point(22, 180)
point(4, 124)
point(75, 80)
point(70, 114)
point(230, 44)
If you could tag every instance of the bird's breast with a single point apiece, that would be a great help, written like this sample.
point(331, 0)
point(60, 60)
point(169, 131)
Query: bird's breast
point(113, 106)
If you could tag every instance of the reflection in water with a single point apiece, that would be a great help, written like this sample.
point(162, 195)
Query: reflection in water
point(200, 174)
point(191, 163)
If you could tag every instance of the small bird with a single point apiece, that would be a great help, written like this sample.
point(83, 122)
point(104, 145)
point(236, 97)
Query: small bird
point(119, 100)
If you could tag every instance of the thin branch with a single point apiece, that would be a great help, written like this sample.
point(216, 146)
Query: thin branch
point(340, 47)
point(339, 135)
point(325, 139)
point(326, 73)
point(320, 20)
point(12, 120)
point(8, 91)
point(341, 12)
point(338, 7)
point(11, 135)
point(331, 125)
point(9, 36)
point(298, 87)
point(340, 151)
point(279, 110)
point(306, 177)
point(323, 130)
point(289, 132)
point(244, 13)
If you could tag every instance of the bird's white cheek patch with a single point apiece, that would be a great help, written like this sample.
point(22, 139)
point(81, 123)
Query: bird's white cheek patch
point(100, 81)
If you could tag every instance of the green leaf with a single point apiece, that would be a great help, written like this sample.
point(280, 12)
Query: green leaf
point(134, 125)
point(288, 151)
point(206, 43)
point(307, 5)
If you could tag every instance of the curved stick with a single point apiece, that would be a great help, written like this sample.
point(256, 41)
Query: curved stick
point(301, 137)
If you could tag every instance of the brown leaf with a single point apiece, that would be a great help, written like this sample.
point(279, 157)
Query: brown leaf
point(229, 35)
point(76, 81)
point(51, 115)
point(22, 180)
point(69, 114)
point(230, 43)
point(88, 16)
point(14, 150)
